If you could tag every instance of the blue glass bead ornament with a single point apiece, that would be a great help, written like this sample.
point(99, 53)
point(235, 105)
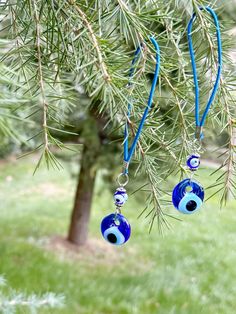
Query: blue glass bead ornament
point(120, 196)
point(193, 162)
point(115, 229)
point(188, 196)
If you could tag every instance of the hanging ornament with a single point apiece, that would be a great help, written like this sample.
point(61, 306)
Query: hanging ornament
point(120, 196)
point(188, 195)
point(115, 228)
point(193, 162)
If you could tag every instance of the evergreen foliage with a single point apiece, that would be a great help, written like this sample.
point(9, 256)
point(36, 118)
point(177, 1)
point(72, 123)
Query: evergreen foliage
point(52, 50)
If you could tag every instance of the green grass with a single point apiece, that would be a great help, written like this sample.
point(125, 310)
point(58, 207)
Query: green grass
point(190, 270)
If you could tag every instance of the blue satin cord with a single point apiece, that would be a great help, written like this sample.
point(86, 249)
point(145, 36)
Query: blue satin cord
point(128, 152)
point(200, 122)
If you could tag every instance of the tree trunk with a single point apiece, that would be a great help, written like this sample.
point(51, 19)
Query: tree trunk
point(78, 231)
point(93, 136)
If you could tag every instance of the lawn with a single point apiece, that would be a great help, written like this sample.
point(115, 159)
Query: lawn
point(190, 270)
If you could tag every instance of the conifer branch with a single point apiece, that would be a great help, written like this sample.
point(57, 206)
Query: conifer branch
point(86, 23)
point(40, 74)
point(78, 47)
point(229, 180)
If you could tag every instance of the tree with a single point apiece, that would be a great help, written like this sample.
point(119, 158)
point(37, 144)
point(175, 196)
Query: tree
point(55, 49)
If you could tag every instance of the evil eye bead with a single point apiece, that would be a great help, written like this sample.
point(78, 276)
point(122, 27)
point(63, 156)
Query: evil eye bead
point(115, 229)
point(193, 162)
point(188, 196)
point(120, 196)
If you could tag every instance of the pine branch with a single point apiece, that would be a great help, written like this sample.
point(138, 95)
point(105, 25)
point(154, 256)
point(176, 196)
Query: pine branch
point(88, 46)
point(101, 62)
point(228, 177)
point(40, 74)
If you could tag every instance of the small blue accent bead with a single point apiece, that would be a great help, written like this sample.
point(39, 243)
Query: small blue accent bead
point(120, 196)
point(115, 229)
point(188, 202)
point(193, 162)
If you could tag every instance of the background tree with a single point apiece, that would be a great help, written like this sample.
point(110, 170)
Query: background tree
point(70, 60)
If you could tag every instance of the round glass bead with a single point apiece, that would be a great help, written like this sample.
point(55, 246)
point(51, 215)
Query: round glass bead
point(193, 162)
point(188, 196)
point(120, 196)
point(115, 229)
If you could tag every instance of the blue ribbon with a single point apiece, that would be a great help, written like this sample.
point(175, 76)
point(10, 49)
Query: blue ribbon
point(128, 152)
point(200, 122)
